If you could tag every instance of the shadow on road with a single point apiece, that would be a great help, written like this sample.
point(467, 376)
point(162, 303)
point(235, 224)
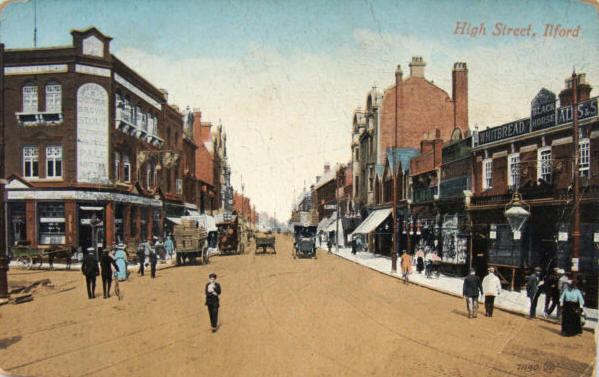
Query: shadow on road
point(7, 342)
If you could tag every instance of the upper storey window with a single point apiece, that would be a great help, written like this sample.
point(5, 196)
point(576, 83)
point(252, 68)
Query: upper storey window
point(53, 98)
point(30, 99)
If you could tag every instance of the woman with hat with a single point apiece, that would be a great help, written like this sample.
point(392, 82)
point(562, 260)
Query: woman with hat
point(121, 261)
point(572, 303)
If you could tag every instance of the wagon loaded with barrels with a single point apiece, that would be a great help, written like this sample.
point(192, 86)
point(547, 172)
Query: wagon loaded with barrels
point(190, 242)
point(229, 237)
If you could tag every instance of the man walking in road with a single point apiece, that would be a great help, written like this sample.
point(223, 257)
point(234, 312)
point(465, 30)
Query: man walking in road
point(470, 290)
point(106, 263)
point(531, 290)
point(153, 261)
point(141, 256)
point(491, 288)
point(89, 268)
point(212, 300)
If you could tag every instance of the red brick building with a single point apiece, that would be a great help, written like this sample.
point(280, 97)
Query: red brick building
point(533, 156)
point(90, 144)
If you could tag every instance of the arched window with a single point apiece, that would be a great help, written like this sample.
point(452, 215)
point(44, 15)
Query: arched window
point(30, 98)
point(53, 97)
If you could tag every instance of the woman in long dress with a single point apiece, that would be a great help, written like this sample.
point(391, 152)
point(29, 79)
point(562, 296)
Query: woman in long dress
point(572, 303)
point(121, 260)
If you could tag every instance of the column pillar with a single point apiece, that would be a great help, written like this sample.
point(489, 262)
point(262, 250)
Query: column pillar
point(109, 229)
point(30, 221)
point(138, 223)
point(70, 214)
point(127, 222)
point(150, 223)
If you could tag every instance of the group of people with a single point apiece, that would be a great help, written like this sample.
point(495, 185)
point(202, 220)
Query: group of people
point(489, 288)
point(113, 264)
point(562, 294)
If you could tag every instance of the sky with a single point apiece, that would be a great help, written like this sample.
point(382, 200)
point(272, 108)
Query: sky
point(285, 76)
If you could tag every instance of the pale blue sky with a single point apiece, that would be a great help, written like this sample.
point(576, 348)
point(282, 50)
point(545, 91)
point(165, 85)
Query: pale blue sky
point(285, 76)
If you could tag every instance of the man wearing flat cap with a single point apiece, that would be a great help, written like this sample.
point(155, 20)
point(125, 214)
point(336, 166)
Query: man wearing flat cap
point(491, 288)
point(212, 301)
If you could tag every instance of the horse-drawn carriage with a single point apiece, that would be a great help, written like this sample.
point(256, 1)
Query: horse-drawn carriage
point(229, 237)
point(305, 241)
point(27, 255)
point(264, 243)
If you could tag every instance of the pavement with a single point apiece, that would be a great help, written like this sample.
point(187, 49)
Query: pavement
point(512, 301)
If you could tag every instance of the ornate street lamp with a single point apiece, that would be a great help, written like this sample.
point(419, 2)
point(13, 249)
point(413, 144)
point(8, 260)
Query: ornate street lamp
point(517, 212)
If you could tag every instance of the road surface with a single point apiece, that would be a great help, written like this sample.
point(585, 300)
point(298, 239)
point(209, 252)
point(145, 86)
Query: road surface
point(279, 317)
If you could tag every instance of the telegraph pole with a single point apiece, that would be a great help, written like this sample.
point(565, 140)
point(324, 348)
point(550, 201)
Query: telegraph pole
point(3, 257)
point(575, 183)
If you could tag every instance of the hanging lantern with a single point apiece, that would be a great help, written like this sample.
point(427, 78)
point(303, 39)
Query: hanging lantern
point(517, 212)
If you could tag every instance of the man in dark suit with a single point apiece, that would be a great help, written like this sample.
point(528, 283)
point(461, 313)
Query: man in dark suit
point(141, 256)
point(89, 268)
point(106, 263)
point(212, 301)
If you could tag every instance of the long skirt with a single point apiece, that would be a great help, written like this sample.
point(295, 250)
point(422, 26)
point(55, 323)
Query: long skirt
point(571, 319)
point(122, 274)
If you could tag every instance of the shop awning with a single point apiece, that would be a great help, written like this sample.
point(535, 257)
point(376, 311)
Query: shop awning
point(333, 225)
point(372, 221)
point(174, 220)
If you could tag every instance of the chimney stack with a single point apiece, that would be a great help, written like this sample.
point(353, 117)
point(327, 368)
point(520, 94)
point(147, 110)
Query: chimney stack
point(417, 67)
point(459, 95)
point(165, 94)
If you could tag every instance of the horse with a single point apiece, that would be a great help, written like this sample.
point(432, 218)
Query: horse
point(60, 251)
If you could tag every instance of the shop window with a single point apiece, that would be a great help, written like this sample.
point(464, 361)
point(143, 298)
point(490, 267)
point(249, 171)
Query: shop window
point(119, 229)
point(30, 162)
point(16, 222)
point(53, 98)
point(143, 220)
point(514, 170)
point(126, 168)
point(51, 223)
point(544, 170)
point(54, 162)
point(584, 157)
point(487, 173)
point(30, 99)
point(133, 221)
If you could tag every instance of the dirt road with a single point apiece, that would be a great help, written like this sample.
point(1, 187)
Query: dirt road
point(279, 317)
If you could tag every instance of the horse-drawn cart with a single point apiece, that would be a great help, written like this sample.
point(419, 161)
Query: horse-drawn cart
point(264, 243)
point(27, 255)
point(229, 237)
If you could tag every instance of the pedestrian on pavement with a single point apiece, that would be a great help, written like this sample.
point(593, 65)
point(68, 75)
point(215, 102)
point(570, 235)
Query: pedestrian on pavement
point(572, 302)
point(552, 292)
point(420, 260)
point(120, 257)
point(89, 268)
point(532, 287)
point(353, 246)
point(406, 266)
point(428, 265)
point(106, 263)
point(153, 261)
point(491, 288)
point(169, 246)
point(562, 284)
point(358, 244)
point(329, 244)
point(213, 291)
point(471, 289)
point(141, 256)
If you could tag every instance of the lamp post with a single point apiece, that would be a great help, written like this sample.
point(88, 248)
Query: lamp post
point(398, 74)
point(517, 212)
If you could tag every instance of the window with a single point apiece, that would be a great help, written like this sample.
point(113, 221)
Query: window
point(371, 179)
point(154, 125)
point(51, 223)
point(179, 185)
point(544, 170)
point(584, 157)
point(144, 121)
point(148, 174)
point(53, 98)
point(514, 170)
point(155, 176)
point(30, 99)
point(138, 117)
point(30, 162)
point(54, 162)
point(126, 168)
point(487, 173)
point(117, 163)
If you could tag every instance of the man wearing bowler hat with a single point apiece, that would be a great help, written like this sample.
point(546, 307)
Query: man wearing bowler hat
point(212, 301)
